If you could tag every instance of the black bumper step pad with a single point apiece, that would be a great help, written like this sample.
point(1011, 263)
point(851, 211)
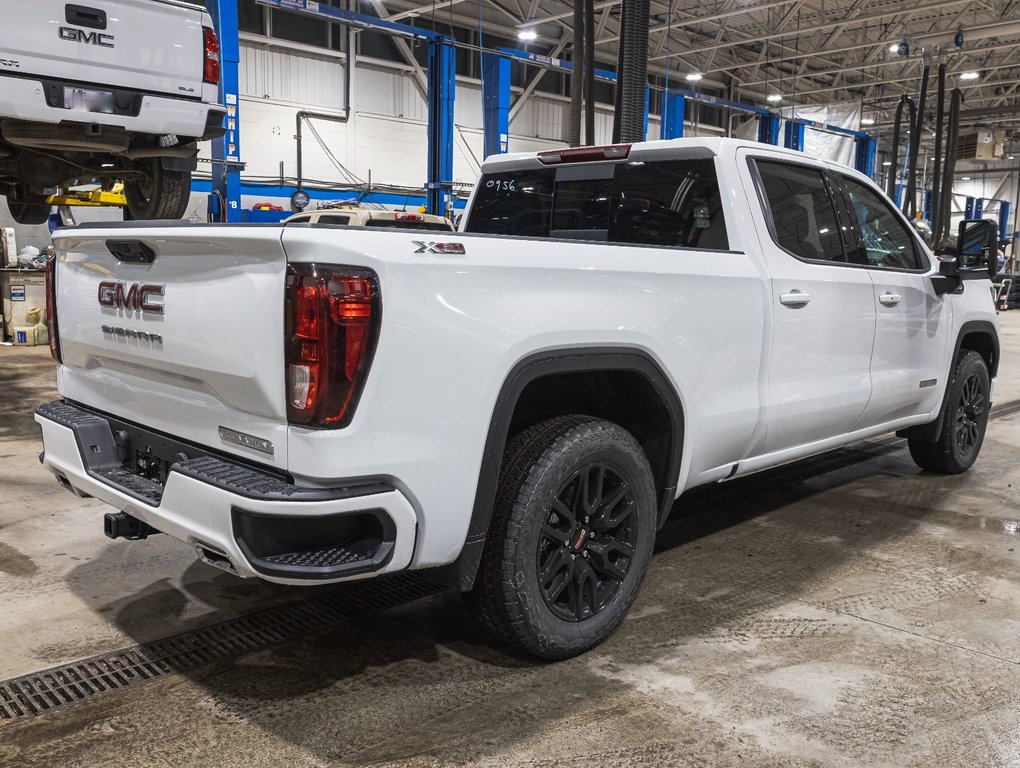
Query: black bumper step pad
point(99, 452)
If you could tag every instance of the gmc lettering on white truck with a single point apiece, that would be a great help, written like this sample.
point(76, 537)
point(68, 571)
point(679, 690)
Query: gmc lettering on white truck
point(518, 407)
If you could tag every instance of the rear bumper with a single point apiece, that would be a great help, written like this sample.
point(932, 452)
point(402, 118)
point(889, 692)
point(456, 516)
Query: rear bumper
point(25, 98)
point(250, 522)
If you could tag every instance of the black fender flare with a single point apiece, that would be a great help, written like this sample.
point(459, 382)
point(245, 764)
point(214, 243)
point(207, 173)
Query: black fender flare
point(929, 433)
point(529, 369)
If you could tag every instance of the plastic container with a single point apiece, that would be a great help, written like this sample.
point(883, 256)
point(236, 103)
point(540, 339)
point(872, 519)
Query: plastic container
point(23, 336)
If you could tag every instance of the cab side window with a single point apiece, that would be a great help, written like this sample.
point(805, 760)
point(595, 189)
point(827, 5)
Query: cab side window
point(883, 237)
point(803, 216)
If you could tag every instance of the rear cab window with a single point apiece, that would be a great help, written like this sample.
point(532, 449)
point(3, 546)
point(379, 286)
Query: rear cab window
point(434, 226)
point(333, 218)
point(801, 210)
point(673, 202)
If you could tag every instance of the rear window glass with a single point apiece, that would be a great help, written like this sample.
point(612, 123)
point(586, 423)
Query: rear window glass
point(803, 216)
point(428, 225)
point(663, 202)
point(333, 218)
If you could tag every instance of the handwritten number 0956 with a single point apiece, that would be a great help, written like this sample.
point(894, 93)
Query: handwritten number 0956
point(500, 186)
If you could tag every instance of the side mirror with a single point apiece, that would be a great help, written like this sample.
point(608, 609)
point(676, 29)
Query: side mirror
point(977, 256)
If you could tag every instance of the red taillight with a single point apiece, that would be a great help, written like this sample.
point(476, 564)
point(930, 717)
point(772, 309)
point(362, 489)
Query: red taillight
point(333, 318)
point(401, 216)
point(584, 154)
point(51, 307)
point(211, 68)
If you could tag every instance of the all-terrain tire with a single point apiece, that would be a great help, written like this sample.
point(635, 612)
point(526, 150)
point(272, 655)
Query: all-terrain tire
point(570, 538)
point(29, 211)
point(159, 194)
point(965, 417)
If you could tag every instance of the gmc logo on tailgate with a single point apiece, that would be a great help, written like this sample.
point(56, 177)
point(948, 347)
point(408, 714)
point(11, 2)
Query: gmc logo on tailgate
point(137, 296)
point(81, 36)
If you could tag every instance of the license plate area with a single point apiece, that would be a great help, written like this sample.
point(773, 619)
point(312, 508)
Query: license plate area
point(148, 455)
point(84, 100)
point(75, 98)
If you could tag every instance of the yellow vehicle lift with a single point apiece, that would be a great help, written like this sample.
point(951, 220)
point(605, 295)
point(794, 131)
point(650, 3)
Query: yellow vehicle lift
point(94, 197)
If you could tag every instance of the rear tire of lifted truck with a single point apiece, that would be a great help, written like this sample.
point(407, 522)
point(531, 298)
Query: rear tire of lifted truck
point(570, 539)
point(35, 210)
point(159, 194)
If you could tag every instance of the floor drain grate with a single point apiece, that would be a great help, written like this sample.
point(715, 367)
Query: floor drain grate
point(1002, 410)
point(42, 692)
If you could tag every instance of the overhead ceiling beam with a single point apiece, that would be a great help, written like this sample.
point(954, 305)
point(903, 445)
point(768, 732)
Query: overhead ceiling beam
point(694, 18)
point(816, 28)
point(424, 10)
point(851, 67)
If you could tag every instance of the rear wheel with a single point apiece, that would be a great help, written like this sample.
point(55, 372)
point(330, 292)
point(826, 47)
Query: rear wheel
point(158, 193)
point(570, 539)
point(965, 417)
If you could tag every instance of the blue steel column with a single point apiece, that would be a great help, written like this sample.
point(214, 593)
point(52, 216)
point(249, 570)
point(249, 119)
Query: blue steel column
point(495, 104)
point(794, 135)
point(226, 151)
point(864, 160)
point(768, 129)
point(441, 77)
point(1004, 209)
point(968, 209)
point(674, 107)
point(979, 207)
point(648, 101)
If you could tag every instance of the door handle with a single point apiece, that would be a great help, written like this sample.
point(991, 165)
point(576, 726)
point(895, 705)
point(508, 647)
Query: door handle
point(794, 299)
point(890, 299)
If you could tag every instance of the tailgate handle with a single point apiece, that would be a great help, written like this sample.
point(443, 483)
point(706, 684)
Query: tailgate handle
point(131, 251)
point(82, 16)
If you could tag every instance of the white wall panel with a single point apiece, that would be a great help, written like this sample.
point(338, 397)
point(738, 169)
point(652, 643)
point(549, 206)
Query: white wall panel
point(269, 73)
point(386, 133)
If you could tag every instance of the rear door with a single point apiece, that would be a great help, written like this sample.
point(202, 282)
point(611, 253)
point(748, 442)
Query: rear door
point(179, 329)
point(911, 340)
point(823, 310)
point(145, 45)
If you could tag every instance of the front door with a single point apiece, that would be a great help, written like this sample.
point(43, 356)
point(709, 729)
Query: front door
point(822, 306)
point(911, 340)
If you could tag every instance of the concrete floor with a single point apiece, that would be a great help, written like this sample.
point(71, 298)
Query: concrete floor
point(852, 612)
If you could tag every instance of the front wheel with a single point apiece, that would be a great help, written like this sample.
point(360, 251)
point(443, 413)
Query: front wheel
point(965, 417)
point(158, 193)
point(570, 539)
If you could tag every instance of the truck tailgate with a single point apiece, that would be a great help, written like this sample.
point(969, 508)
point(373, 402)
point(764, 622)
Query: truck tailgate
point(187, 344)
point(145, 45)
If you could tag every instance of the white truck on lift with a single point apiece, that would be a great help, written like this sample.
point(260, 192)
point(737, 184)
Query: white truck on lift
point(516, 405)
point(104, 92)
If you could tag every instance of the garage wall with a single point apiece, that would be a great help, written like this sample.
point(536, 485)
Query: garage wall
point(386, 133)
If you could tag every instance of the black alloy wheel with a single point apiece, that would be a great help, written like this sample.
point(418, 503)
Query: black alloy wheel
point(587, 543)
point(570, 538)
point(963, 422)
point(970, 415)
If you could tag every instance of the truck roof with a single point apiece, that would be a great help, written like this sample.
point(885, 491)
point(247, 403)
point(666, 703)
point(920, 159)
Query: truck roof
point(691, 147)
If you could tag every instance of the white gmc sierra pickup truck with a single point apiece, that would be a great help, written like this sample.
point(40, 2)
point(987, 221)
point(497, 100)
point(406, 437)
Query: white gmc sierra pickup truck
point(88, 94)
point(518, 404)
